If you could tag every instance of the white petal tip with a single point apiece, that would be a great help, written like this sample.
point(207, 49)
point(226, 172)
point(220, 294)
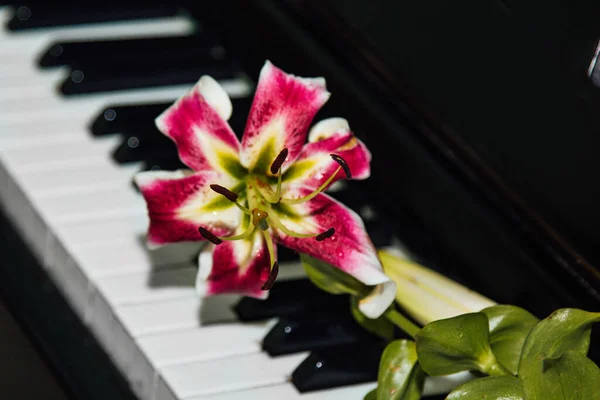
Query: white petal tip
point(215, 95)
point(153, 245)
point(205, 264)
point(145, 178)
point(326, 128)
point(374, 305)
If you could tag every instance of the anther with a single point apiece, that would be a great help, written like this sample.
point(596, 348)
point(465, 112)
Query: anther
point(206, 234)
point(338, 159)
point(272, 276)
point(279, 161)
point(224, 192)
point(325, 235)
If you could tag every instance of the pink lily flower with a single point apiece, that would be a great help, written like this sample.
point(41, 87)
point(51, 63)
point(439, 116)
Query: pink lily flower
point(246, 197)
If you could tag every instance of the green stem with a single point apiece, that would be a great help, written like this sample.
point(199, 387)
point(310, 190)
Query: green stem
point(402, 322)
point(494, 368)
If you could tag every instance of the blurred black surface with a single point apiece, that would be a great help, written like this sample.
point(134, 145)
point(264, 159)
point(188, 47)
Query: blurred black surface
point(481, 120)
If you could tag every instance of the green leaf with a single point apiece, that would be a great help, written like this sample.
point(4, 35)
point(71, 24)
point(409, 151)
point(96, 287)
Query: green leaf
point(400, 377)
point(509, 327)
point(331, 279)
point(572, 376)
point(564, 330)
point(380, 326)
point(457, 344)
point(372, 395)
point(492, 387)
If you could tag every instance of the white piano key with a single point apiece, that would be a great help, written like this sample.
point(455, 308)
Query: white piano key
point(6, 14)
point(32, 83)
point(131, 255)
point(94, 175)
point(433, 386)
point(204, 343)
point(186, 313)
point(288, 392)
point(146, 287)
point(226, 375)
point(27, 220)
point(198, 344)
point(105, 231)
point(75, 153)
point(91, 206)
point(24, 138)
point(74, 284)
point(50, 104)
point(179, 314)
point(24, 45)
point(142, 375)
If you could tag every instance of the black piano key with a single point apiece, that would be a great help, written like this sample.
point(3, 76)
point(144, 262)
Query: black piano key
point(288, 298)
point(312, 331)
point(337, 366)
point(116, 119)
point(381, 231)
point(165, 164)
point(170, 48)
point(42, 16)
point(241, 109)
point(353, 195)
point(94, 77)
point(150, 145)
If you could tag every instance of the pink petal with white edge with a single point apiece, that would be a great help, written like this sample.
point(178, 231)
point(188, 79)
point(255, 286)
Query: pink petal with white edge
point(197, 123)
point(283, 108)
point(240, 266)
point(314, 165)
point(178, 204)
point(349, 249)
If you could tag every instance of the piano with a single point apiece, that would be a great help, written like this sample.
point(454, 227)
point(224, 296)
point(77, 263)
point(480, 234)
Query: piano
point(482, 119)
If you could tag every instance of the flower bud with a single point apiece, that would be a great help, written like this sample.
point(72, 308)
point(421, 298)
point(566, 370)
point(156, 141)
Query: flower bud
point(426, 295)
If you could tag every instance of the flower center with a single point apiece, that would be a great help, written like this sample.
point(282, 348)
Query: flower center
point(260, 210)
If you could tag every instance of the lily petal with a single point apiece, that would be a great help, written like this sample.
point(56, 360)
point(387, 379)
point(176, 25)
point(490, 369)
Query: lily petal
point(197, 123)
point(181, 201)
point(240, 266)
point(349, 249)
point(314, 165)
point(283, 108)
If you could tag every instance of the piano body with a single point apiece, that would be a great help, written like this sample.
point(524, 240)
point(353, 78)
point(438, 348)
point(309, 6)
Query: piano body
point(481, 118)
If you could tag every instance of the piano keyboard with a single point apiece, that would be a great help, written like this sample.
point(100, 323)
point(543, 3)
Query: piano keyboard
point(82, 218)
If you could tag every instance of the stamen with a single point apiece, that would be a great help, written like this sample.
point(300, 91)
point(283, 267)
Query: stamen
point(275, 266)
point(279, 161)
point(231, 196)
point(313, 194)
point(206, 234)
point(243, 235)
point(338, 159)
point(273, 218)
point(272, 276)
point(325, 235)
point(225, 192)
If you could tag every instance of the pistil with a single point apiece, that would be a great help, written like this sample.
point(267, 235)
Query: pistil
point(262, 213)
